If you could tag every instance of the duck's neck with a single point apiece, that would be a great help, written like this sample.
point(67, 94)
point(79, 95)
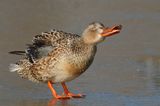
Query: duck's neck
point(91, 38)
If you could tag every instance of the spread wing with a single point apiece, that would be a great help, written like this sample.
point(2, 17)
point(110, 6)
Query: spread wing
point(47, 42)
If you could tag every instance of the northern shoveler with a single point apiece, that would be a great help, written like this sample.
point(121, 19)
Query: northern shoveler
point(58, 57)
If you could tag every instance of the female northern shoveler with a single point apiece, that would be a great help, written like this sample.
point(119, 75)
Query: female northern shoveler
point(58, 57)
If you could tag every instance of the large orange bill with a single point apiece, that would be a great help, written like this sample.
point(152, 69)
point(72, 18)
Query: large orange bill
point(111, 31)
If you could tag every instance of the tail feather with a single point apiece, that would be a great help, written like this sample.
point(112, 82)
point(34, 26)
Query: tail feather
point(14, 67)
point(17, 52)
point(22, 68)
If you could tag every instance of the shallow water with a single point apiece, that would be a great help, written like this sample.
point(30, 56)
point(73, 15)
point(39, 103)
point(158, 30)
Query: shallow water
point(126, 70)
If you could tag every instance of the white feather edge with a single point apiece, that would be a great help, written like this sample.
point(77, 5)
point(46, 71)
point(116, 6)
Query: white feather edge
point(14, 67)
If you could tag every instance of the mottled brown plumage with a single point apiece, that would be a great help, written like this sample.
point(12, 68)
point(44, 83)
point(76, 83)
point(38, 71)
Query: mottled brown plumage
point(58, 57)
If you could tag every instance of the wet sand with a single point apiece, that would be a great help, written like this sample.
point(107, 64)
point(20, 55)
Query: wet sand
point(126, 70)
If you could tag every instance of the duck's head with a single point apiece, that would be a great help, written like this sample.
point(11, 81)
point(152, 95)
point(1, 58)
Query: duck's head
point(97, 32)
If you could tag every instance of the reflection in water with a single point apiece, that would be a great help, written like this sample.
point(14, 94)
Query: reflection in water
point(112, 72)
point(151, 71)
point(52, 102)
point(61, 102)
point(43, 102)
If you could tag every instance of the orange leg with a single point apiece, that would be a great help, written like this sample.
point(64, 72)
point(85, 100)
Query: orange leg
point(54, 93)
point(68, 93)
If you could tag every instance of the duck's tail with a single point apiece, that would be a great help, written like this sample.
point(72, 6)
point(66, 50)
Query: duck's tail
point(17, 52)
point(23, 69)
point(15, 67)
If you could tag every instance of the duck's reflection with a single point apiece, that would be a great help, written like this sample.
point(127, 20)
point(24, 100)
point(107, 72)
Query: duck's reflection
point(57, 102)
point(52, 102)
point(151, 71)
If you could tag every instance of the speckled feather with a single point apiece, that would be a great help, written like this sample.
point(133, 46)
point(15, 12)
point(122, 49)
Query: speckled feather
point(58, 57)
point(67, 57)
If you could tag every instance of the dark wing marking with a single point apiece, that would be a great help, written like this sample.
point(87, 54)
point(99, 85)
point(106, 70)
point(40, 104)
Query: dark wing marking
point(34, 52)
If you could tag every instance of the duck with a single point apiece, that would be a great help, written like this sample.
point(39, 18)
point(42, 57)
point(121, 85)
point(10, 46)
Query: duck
point(59, 57)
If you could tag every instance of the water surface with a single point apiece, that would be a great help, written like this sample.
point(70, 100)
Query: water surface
point(126, 70)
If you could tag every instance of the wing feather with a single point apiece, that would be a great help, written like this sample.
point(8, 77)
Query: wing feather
point(47, 41)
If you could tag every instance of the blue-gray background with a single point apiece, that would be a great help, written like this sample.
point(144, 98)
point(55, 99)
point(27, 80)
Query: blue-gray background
point(126, 70)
